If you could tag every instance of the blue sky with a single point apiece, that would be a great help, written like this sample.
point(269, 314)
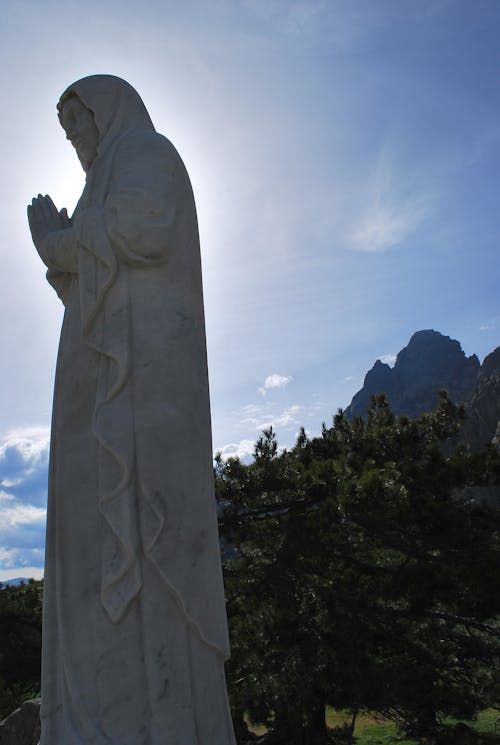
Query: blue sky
point(344, 156)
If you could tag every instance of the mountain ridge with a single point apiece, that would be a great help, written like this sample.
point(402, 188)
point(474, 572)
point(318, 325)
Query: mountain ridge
point(430, 362)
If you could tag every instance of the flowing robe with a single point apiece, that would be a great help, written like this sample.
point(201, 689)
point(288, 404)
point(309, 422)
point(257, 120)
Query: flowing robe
point(134, 629)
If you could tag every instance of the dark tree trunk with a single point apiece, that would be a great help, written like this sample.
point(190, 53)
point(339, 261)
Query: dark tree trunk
point(353, 721)
point(314, 728)
point(302, 723)
point(427, 727)
point(288, 724)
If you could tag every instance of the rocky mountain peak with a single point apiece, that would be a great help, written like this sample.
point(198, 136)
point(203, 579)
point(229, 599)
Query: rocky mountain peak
point(432, 350)
point(483, 410)
point(378, 375)
point(491, 365)
point(431, 361)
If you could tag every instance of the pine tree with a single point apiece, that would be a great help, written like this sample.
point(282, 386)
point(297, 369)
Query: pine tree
point(362, 577)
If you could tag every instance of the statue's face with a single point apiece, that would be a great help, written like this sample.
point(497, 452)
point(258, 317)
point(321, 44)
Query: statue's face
point(81, 130)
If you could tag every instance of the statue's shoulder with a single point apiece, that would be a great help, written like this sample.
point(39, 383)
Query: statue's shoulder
point(147, 141)
point(150, 152)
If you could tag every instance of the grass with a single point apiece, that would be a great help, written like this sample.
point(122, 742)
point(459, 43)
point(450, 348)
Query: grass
point(370, 731)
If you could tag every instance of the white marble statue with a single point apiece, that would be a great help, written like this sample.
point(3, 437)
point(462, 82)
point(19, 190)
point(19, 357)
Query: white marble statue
point(134, 628)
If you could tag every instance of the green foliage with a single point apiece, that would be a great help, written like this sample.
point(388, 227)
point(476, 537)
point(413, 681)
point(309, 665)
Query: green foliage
point(363, 577)
point(20, 644)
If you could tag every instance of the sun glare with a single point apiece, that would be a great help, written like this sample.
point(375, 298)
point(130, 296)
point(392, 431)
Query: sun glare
point(69, 181)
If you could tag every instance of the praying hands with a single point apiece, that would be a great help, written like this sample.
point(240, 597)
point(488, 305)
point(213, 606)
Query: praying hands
point(44, 218)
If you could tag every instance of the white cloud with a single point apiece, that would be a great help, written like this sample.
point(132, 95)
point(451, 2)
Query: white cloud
point(274, 381)
point(24, 458)
point(385, 225)
point(295, 18)
point(6, 556)
point(32, 444)
point(24, 455)
point(249, 409)
point(388, 359)
point(490, 324)
point(284, 419)
point(242, 449)
point(267, 414)
point(20, 563)
point(304, 17)
point(22, 514)
point(391, 206)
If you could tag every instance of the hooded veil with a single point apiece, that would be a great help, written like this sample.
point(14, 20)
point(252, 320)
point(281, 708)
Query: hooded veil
point(135, 632)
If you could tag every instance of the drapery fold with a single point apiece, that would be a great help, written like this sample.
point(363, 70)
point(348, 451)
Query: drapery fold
point(135, 631)
point(136, 219)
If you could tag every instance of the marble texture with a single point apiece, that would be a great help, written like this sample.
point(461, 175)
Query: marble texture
point(135, 632)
